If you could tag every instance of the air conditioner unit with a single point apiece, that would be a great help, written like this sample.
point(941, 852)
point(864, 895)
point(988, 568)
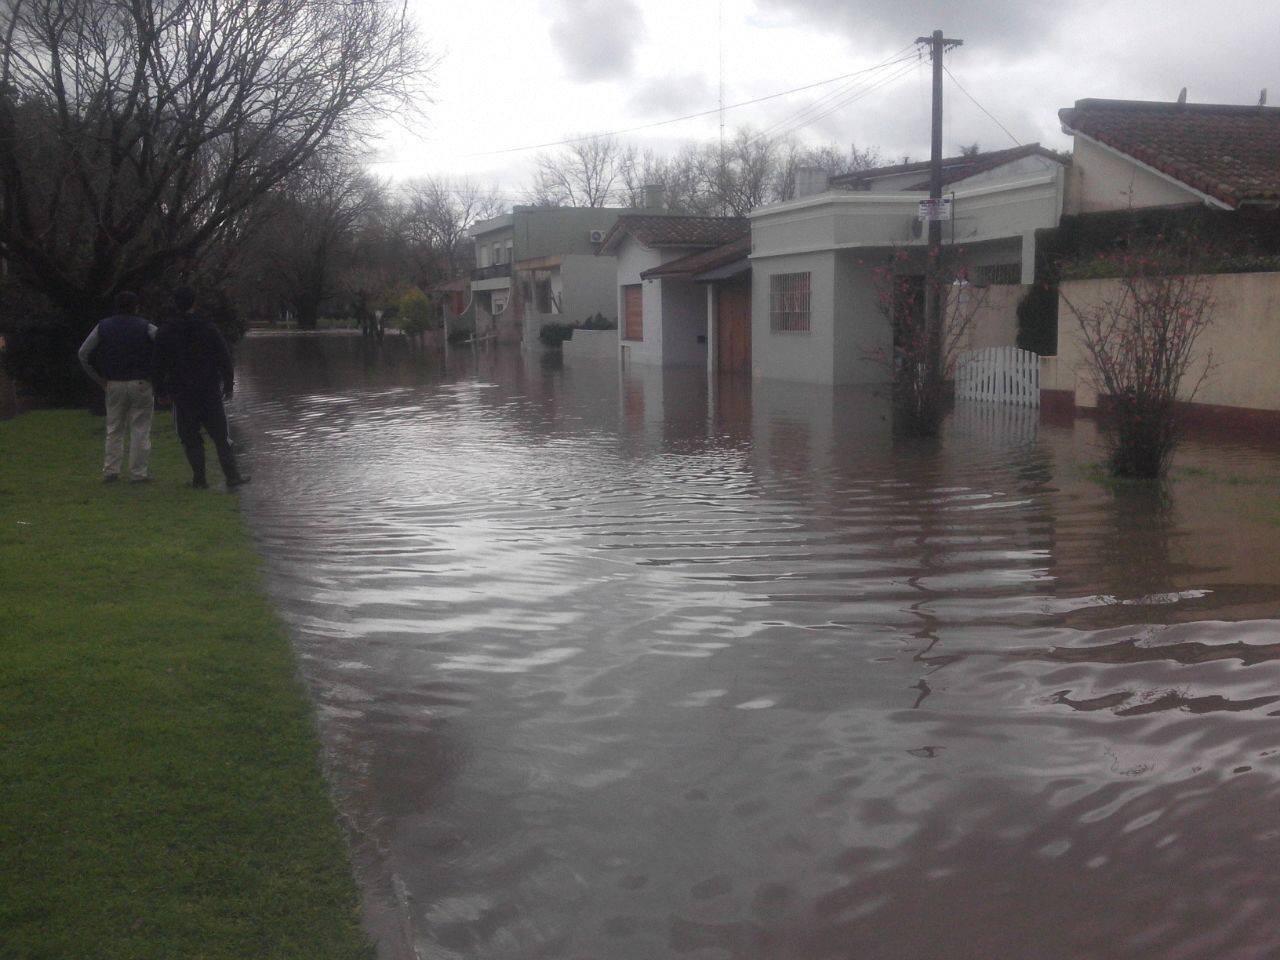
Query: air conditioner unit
point(597, 236)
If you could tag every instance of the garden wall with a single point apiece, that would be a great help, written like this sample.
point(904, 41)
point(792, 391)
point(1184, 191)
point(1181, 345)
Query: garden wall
point(1244, 342)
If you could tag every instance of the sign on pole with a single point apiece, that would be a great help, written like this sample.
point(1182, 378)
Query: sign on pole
point(935, 209)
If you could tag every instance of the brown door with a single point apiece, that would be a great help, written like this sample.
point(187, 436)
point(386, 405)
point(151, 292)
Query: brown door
point(632, 312)
point(733, 326)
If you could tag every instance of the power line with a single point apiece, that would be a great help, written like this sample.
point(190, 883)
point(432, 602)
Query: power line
point(815, 108)
point(1015, 140)
point(895, 59)
point(846, 101)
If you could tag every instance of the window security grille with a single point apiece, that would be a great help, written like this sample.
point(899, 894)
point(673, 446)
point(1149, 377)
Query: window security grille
point(789, 302)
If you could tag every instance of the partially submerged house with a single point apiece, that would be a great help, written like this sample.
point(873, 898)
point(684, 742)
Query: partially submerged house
point(816, 315)
point(1136, 163)
point(724, 273)
point(538, 265)
point(662, 319)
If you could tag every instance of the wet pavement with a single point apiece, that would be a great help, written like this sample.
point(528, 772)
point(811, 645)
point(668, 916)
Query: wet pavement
point(627, 666)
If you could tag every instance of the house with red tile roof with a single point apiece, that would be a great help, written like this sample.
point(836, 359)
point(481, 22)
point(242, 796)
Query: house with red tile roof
point(1134, 154)
point(1167, 162)
point(662, 316)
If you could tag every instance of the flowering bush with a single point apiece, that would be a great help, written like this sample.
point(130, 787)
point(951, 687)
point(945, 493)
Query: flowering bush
point(1139, 342)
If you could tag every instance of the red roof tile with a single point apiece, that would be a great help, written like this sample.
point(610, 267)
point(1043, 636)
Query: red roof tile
point(657, 230)
point(1230, 152)
point(701, 260)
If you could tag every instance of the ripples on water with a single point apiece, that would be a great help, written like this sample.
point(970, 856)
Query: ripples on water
point(620, 666)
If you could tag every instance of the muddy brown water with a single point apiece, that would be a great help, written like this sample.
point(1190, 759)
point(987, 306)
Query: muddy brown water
point(623, 665)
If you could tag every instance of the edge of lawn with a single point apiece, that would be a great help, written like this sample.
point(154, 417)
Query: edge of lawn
point(161, 792)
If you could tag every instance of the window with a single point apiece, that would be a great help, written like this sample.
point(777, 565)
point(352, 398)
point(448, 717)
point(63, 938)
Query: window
point(542, 295)
point(484, 256)
point(632, 312)
point(996, 273)
point(497, 253)
point(789, 302)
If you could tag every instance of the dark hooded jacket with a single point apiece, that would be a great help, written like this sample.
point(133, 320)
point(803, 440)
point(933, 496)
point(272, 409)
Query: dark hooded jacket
point(192, 359)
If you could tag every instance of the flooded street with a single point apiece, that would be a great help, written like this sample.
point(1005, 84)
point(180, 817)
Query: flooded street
point(616, 665)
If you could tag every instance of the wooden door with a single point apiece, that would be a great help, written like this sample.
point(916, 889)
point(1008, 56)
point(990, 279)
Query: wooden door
point(632, 312)
point(733, 326)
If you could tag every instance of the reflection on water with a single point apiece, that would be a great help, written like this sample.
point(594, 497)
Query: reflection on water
point(636, 666)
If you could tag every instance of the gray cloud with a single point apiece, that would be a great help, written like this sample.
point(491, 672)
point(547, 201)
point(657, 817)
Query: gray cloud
point(1008, 26)
point(673, 94)
point(597, 41)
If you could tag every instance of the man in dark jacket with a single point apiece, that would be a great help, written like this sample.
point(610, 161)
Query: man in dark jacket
point(193, 366)
point(117, 354)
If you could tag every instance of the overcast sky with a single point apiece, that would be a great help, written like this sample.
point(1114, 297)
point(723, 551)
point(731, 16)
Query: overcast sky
point(518, 72)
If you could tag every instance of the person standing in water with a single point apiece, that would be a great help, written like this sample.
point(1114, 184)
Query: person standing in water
point(194, 368)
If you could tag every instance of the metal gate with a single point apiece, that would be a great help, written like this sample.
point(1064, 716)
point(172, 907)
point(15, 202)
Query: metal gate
point(999, 375)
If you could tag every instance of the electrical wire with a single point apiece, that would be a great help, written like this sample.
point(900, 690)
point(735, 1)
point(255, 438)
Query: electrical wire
point(846, 101)
point(812, 111)
point(1015, 140)
point(890, 61)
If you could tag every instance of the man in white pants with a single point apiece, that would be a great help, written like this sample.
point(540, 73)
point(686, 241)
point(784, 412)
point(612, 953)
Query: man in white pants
point(118, 356)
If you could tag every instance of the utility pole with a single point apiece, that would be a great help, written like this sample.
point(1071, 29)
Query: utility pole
point(933, 284)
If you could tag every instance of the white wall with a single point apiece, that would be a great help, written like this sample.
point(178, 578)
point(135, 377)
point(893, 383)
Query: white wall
point(633, 259)
point(1102, 179)
point(794, 355)
point(847, 219)
point(863, 337)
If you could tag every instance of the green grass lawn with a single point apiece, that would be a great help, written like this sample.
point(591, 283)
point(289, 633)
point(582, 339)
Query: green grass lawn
point(160, 789)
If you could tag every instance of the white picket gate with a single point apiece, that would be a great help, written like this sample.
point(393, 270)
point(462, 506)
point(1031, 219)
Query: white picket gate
point(999, 375)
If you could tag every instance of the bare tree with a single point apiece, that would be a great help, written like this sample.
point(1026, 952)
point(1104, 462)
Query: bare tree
point(587, 173)
point(134, 135)
point(828, 157)
point(327, 199)
point(439, 214)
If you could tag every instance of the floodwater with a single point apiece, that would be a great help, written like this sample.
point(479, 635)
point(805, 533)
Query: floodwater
point(620, 665)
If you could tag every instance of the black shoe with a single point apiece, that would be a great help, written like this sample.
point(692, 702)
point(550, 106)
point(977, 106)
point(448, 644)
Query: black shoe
point(239, 481)
point(111, 478)
point(199, 485)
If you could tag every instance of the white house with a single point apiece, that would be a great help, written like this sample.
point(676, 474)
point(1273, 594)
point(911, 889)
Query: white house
point(1130, 154)
point(814, 306)
point(663, 320)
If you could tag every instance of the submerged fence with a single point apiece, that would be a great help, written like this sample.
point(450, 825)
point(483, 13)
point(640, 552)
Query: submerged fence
point(999, 375)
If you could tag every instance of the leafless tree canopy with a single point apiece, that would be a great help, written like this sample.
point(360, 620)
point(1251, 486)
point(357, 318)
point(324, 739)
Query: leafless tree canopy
point(750, 169)
point(587, 173)
point(133, 133)
point(439, 212)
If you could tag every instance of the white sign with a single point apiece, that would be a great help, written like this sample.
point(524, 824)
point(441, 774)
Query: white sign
point(931, 209)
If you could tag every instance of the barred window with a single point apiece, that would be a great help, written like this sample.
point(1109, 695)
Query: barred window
point(789, 302)
point(996, 273)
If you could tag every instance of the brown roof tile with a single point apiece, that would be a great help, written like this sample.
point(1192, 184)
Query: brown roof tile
point(657, 230)
point(701, 260)
point(1230, 152)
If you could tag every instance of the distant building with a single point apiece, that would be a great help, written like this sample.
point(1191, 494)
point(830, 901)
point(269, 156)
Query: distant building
point(537, 265)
